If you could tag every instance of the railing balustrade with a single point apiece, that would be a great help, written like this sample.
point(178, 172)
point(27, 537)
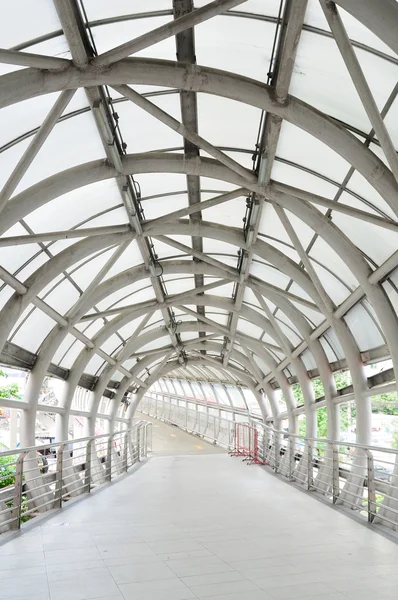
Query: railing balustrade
point(45, 477)
point(363, 478)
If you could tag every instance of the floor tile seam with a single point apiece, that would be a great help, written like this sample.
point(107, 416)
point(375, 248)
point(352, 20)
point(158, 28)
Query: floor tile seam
point(149, 580)
point(132, 582)
point(142, 541)
point(361, 589)
point(186, 585)
point(222, 582)
point(215, 556)
point(225, 562)
point(45, 562)
point(306, 596)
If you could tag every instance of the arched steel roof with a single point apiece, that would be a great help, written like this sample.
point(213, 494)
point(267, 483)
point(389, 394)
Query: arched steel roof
point(199, 188)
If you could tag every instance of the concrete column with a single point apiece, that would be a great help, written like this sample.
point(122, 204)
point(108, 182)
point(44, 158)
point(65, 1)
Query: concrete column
point(351, 494)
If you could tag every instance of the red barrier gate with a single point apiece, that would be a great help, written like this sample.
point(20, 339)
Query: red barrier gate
point(246, 443)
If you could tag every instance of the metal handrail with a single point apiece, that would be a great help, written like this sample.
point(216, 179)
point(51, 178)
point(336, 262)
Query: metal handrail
point(287, 434)
point(319, 465)
point(45, 491)
point(67, 442)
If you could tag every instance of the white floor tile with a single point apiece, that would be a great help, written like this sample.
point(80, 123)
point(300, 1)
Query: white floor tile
point(254, 595)
point(211, 578)
point(228, 587)
point(186, 554)
point(201, 569)
point(181, 528)
point(305, 590)
point(179, 594)
point(144, 572)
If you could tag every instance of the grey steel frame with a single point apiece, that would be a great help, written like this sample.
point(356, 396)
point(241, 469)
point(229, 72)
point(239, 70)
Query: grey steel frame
point(64, 76)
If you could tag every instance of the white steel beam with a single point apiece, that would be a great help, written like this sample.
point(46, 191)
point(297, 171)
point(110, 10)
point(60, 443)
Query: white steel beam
point(359, 80)
point(168, 30)
point(195, 208)
point(224, 330)
point(295, 12)
point(383, 21)
point(185, 132)
point(201, 255)
point(328, 305)
point(37, 142)
point(62, 321)
point(35, 238)
point(75, 33)
point(275, 186)
point(37, 61)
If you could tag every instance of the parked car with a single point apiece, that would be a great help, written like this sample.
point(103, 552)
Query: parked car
point(383, 472)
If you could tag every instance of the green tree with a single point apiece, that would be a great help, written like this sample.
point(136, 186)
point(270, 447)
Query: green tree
point(384, 403)
point(7, 470)
point(342, 379)
point(9, 391)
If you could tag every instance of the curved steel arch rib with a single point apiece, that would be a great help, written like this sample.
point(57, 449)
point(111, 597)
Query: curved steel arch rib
point(310, 215)
point(171, 366)
point(30, 83)
point(45, 274)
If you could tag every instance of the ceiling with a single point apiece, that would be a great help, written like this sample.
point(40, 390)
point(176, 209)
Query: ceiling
point(203, 190)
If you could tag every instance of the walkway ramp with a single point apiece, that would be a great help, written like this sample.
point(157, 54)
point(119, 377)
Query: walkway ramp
point(198, 526)
point(170, 440)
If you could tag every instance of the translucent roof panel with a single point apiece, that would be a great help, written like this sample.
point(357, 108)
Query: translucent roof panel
point(198, 204)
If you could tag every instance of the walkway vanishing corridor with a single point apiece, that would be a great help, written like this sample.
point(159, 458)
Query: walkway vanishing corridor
point(198, 527)
point(168, 440)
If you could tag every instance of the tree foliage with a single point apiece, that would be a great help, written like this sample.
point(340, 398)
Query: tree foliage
point(7, 470)
point(10, 390)
point(384, 403)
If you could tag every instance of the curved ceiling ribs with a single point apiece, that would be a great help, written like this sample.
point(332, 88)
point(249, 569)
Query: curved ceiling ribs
point(280, 301)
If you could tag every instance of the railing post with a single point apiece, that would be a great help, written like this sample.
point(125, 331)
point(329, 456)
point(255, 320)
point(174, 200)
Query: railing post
point(139, 443)
point(277, 450)
point(58, 477)
point(127, 443)
point(108, 464)
point(291, 457)
point(336, 473)
point(149, 438)
point(371, 487)
point(264, 441)
point(17, 499)
point(310, 467)
point(87, 477)
point(146, 440)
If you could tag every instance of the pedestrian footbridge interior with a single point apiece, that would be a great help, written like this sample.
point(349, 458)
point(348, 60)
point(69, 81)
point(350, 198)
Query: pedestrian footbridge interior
point(198, 299)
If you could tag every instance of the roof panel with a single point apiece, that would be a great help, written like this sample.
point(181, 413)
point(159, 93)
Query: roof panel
point(77, 207)
point(321, 78)
point(30, 26)
point(242, 43)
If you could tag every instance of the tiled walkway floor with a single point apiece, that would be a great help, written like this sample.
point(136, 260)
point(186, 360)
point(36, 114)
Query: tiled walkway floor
point(205, 527)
